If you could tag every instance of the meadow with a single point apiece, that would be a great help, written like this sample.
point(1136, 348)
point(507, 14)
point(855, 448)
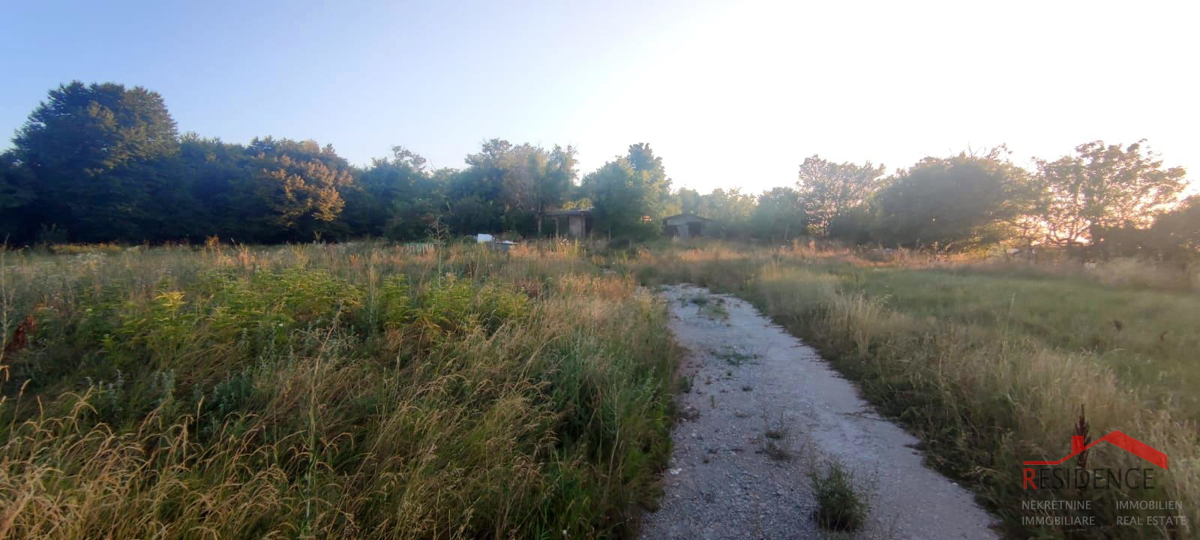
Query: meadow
point(989, 363)
point(369, 389)
point(328, 391)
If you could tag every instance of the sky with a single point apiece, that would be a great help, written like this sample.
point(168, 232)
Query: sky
point(729, 94)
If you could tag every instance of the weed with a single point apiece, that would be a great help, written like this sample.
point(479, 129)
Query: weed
point(350, 390)
point(840, 505)
point(733, 356)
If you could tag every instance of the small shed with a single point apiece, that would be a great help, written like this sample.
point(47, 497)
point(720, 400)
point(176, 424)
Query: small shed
point(685, 226)
point(579, 222)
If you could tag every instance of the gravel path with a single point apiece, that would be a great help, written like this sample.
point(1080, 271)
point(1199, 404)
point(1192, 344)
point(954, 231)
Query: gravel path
point(762, 410)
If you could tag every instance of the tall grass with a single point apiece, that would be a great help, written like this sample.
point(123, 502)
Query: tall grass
point(990, 368)
point(353, 390)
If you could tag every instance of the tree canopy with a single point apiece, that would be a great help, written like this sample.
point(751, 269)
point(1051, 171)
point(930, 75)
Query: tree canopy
point(964, 199)
point(832, 189)
point(1104, 186)
point(630, 194)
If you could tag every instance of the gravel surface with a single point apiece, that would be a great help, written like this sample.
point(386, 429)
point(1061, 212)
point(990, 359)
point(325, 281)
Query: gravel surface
point(763, 410)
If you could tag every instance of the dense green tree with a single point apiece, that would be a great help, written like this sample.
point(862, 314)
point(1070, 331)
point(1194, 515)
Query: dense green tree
point(952, 202)
point(221, 182)
point(17, 196)
point(90, 149)
point(296, 188)
point(1103, 187)
point(554, 181)
point(730, 210)
point(779, 215)
point(478, 196)
point(689, 200)
point(1176, 234)
point(394, 197)
point(630, 194)
point(508, 187)
point(830, 189)
point(854, 226)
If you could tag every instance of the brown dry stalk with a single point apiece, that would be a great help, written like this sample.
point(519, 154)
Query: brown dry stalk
point(1081, 430)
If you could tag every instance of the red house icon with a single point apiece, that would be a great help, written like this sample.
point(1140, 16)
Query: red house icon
point(1125, 442)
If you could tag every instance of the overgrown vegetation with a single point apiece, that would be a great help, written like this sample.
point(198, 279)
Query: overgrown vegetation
point(351, 390)
point(988, 363)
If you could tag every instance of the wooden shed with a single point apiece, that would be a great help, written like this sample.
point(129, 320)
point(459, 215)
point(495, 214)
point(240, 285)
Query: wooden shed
point(579, 222)
point(685, 226)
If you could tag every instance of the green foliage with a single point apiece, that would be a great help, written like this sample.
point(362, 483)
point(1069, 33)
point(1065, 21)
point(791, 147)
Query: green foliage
point(396, 302)
point(1176, 234)
point(451, 306)
point(262, 392)
point(17, 195)
point(90, 148)
point(840, 506)
point(297, 185)
point(1103, 186)
point(779, 215)
point(393, 197)
point(830, 189)
point(630, 194)
point(730, 210)
point(955, 202)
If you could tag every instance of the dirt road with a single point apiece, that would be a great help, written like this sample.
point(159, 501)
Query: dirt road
point(762, 411)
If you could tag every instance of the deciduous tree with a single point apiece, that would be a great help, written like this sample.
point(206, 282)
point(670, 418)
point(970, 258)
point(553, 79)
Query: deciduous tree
point(88, 147)
point(831, 189)
point(1104, 186)
point(951, 202)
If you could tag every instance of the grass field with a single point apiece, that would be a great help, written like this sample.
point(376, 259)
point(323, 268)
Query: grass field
point(365, 390)
point(989, 366)
point(328, 391)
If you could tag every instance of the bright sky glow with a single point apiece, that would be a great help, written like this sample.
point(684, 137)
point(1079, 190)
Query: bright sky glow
point(730, 94)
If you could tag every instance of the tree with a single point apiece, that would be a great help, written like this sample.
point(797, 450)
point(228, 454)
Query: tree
point(16, 200)
point(689, 201)
point(779, 214)
point(730, 211)
point(630, 194)
point(952, 202)
point(1103, 187)
point(1176, 234)
point(89, 146)
point(510, 187)
point(221, 180)
point(296, 185)
point(392, 197)
point(832, 189)
point(553, 182)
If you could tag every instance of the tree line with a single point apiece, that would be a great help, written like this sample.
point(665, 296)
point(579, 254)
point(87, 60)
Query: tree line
point(102, 162)
point(1101, 201)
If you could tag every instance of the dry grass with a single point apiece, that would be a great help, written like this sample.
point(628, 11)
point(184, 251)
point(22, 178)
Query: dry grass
point(329, 391)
